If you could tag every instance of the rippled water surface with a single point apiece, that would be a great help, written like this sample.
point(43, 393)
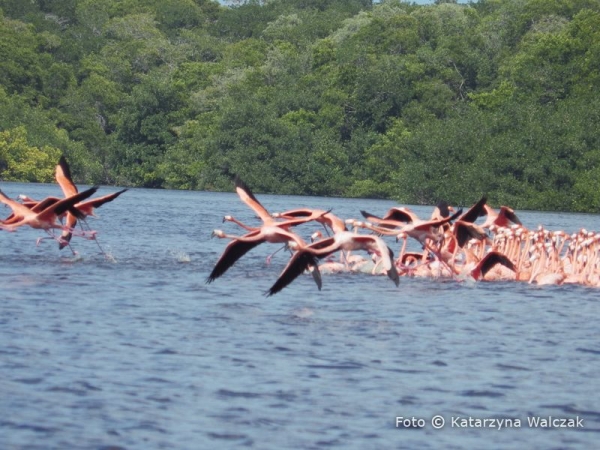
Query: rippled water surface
point(134, 351)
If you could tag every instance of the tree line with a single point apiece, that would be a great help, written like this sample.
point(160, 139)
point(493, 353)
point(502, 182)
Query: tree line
point(316, 97)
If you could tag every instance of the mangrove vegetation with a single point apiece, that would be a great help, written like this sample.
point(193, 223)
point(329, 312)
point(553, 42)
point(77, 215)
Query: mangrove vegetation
point(318, 97)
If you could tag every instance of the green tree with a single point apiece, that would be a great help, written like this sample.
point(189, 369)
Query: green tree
point(20, 161)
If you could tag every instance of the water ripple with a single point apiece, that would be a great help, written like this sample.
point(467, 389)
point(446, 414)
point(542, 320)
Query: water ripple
point(138, 352)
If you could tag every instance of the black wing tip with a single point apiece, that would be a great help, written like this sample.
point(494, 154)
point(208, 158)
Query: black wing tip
point(444, 208)
point(475, 211)
point(482, 212)
point(462, 235)
point(214, 275)
point(302, 260)
point(393, 272)
point(366, 214)
point(457, 214)
point(513, 217)
point(89, 192)
point(316, 273)
point(78, 214)
point(478, 206)
point(274, 290)
point(62, 162)
point(239, 183)
point(68, 202)
point(271, 292)
point(506, 262)
point(494, 258)
point(64, 241)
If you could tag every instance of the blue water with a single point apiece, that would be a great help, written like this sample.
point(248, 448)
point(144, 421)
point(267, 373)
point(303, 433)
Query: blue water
point(134, 351)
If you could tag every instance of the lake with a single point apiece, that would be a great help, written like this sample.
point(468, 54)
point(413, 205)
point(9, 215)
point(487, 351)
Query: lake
point(134, 351)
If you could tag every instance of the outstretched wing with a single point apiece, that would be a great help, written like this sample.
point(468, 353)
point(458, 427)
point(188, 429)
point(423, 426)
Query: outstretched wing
point(65, 204)
point(376, 220)
point(465, 231)
point(493, 258)
point(510, 215)
point(249, 199)
point(63, 177)
point(475, 211)
point(294, 268)
point(98, 202)
point(18, 209)
point(234, 251)
point(401, 215)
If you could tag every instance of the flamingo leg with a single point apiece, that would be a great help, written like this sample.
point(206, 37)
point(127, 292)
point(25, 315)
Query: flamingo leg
point(275, 252)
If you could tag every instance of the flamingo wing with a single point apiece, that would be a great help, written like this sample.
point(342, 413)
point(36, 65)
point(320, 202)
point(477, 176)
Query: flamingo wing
point(234, 251)
point(249, 199)
point(98, 202)
point(490, 260)
point(401, 215)
point(67, 235)
point(298, 263)
point(63, 177)
point(373, 243)
point(475, 211)
point(510, 215)
point(65, 204)
point(383, 223)
point(463, 231)
point(17, 208)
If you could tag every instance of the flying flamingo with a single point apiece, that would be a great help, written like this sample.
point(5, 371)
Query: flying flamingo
point(85, 209)
point(475, 211)
point(271, 231)
point(35, 206)
point(240, 245)
point(326, 218)
point(504, 218)
point(428, 229)
point(47, 219)
point(346, 240)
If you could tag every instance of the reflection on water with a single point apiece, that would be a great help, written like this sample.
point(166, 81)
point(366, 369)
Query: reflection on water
point(138, 352)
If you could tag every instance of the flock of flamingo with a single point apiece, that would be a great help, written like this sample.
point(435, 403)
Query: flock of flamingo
point(453, 245)
point(53, 213)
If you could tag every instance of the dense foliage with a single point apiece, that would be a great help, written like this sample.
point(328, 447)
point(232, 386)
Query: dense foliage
point(318, 97)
